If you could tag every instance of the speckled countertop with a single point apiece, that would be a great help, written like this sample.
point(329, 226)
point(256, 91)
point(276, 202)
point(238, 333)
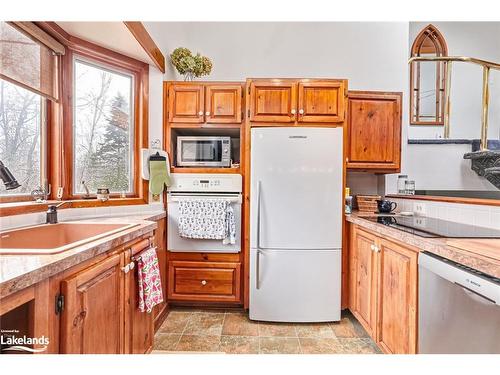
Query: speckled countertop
point(20, 271)
point(474, 256)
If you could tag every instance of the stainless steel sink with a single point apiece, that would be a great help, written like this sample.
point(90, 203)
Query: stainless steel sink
point(56, 238)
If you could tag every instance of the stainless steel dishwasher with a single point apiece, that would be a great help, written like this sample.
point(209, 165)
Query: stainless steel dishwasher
point(459, 308)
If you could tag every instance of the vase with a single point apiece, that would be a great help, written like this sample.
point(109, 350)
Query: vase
point(189, 76)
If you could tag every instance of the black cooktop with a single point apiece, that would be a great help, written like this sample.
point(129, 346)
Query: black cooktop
point(434, 228)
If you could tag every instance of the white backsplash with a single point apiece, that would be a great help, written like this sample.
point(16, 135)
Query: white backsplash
point(479, 215)
point(68, 214)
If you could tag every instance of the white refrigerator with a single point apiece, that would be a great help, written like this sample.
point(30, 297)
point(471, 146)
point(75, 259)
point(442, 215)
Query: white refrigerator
point(296, 224)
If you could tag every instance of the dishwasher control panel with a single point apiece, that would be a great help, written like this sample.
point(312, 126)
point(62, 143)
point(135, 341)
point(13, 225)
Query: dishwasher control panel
point(206, 182)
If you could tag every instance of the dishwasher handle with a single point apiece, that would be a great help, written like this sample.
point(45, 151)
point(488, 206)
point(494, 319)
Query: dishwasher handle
point(478, 297)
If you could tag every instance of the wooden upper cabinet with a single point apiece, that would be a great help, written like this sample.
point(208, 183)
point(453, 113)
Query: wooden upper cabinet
point(273, 101)
point(92, 321)
point(397, 301)
point(186, 103)
point(321, 101)
point(223, 104)
point(374, 131)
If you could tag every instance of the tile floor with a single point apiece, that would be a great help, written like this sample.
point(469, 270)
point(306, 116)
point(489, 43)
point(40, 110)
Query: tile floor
point(231, 332)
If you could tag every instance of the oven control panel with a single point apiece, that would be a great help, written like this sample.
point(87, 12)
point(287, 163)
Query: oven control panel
point(197, 182)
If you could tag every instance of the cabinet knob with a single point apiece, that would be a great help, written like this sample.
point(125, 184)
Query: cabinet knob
point(207, 113)
point(293, 111)
point(301, 111)
point(200, 113)
point(126, 268)
point(132, 265)
point(203, 282)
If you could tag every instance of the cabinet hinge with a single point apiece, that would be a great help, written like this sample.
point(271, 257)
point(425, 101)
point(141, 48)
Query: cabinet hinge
point(248, 113)
point(249, 90)
point(59, 303)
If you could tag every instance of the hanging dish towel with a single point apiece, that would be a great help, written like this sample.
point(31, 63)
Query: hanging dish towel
point(159, 174)
point(208, 219)
point(148, 271)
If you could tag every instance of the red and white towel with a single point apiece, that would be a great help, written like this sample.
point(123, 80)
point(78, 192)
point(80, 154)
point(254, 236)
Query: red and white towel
point(148, 271)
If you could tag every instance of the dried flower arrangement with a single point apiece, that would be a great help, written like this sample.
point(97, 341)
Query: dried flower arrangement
point(190, 66)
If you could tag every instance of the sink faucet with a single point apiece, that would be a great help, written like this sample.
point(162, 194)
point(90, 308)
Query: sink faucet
point(51, 217)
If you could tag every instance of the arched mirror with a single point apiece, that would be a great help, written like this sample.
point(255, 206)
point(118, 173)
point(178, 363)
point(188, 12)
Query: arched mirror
point(428, 78)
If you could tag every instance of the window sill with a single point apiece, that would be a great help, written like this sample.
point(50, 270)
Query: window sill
point(18, 208)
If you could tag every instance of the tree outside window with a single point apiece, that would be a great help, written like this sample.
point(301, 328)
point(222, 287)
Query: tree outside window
point(103, 129)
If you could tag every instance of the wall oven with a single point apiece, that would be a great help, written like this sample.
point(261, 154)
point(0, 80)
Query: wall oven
point(203, 151)
point(201, 185)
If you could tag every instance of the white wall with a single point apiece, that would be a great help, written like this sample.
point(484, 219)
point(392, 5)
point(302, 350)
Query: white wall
point(371, 55)
point(473, 39)
point(442, 166)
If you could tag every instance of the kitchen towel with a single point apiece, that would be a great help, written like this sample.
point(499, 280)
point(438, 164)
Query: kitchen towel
point(209, 219)
point(159, 174)
point(148, 271)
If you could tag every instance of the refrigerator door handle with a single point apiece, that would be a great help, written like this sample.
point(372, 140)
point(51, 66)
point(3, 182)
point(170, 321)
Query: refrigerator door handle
point(257, 261)
point(257, 271)
point(258, 214)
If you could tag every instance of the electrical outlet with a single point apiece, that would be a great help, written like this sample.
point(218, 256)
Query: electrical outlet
point(59, 194)
point(419, 208)
point(420, 222)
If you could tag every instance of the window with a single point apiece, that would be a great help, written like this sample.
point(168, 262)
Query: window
point(428, 78)
point(103, 128)
point(22, 137)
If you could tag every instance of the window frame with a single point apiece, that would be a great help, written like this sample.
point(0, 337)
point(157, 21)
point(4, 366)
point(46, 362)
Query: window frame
point(107, 59)
point(132, 136)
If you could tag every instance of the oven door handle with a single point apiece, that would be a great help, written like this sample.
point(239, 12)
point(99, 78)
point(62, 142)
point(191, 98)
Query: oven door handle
point(233, 198)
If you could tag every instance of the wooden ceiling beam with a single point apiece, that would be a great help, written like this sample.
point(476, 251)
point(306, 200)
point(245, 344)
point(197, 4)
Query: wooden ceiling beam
point(142, 36)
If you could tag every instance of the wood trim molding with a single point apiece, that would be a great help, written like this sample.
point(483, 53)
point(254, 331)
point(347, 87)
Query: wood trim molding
point(41, 36)
point(147, 43)
point(461, 200)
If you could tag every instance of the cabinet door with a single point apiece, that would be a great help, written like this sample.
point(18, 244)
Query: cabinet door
point(321, 102)
point(92, 320)
point(273, 101)
point(186, 103)
point(223, 104)
point(374, 131)
point(138, 325)
point(161, 252)
point(397, 301)
point(366, 281)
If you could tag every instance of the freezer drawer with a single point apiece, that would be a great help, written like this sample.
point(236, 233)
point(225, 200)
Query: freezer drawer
point(295, 285)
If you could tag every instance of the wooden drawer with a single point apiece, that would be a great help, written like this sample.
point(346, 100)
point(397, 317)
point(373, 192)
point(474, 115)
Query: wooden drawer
point(204, 281)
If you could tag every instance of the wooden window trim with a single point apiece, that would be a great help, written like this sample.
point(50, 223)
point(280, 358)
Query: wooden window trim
point(441, 49)
point(60, 127)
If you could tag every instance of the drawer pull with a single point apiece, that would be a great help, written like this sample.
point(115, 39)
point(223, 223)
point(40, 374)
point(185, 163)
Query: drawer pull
point(203, 282)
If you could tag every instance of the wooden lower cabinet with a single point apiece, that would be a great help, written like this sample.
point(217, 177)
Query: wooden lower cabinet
point(100, 313)
point(204, 281)
point(397, 300)
point(383, 290)
point(92, 321)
